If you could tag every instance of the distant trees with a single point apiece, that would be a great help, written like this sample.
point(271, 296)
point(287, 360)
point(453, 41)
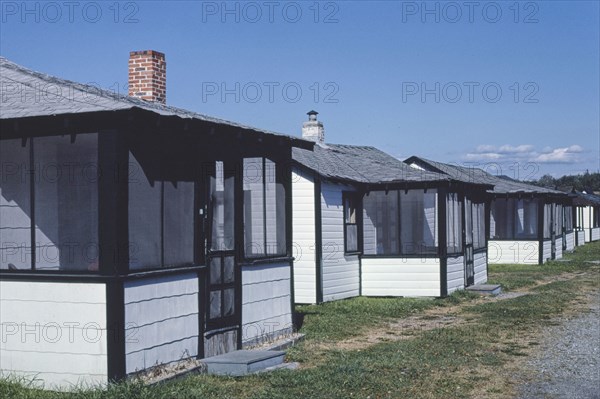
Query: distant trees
point(586, 181)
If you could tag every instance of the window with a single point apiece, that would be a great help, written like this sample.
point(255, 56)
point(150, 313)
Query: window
point(418, 222)
point(64, 216)
point(568, 218)
point(479, 226)
point(380, 223)
point(454, 223)
point(15, 205)
point(558, 219)
point(161, 220)
point(222, 189)
point(351, 208)
point(221, 301)
point(513, 219)
point(264, 209)
point(547, 220)
point(400, 222)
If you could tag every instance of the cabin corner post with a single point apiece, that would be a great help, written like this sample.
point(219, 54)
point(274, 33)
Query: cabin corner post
point(443, 242)
point(541, 222)
point(113, 243)
point(318, 241)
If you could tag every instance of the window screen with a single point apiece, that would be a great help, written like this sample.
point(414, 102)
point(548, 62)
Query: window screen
point(547, 220)
point(161, 220)
point(66, 202)
point(526, 219)
point(144, 218)
point(558, 219)
point(454, 223)
point(568, 218)
point(350, 222)
point(222, 193)
point(380, 223)
point(264, 209)
point(469, 225)
point(478, 226)
point(15, 205)
point(418, 222)
point(514, 219)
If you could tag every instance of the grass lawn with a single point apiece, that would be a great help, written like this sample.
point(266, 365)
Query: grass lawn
point(458, 347)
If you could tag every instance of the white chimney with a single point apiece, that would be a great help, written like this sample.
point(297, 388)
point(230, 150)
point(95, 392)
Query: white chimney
point(313, 129)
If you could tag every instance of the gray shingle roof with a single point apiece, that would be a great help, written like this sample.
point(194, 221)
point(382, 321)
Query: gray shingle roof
point(584, 198)
point(26, 93)
point(360, 164)
point(502, 184)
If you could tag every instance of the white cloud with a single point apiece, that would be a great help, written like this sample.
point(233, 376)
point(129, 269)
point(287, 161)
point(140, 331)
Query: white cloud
point(560, 155)
point(524, 153)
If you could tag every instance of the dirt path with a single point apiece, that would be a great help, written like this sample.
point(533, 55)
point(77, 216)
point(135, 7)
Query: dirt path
point(567, 364)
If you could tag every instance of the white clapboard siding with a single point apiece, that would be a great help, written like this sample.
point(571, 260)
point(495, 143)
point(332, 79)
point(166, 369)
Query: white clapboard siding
point(580, 238)
point(559, 250)
point(401, 277)
point(303, 221)
point(570, 239)
point(480, 264)
point(340, 272)
point(161, 320)
point(455, 273)
point(54, 332)
point(520, 252)
point(266, 301)
point(546, 251)
point(596, 234)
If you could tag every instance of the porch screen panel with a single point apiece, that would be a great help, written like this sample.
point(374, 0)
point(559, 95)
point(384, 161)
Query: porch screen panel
point(453, 223)
point(254, 211)
point(380, 223)
point(178, 223)
point(525, 219)
point(469, 225)
point(222, 194)
point(478, 225)
point(558, 219)
point(144, 218)
point(547, 220)
point(66, 202)
point(568, 218)
point(275, 210)
point(418, 222)
point(15, 205)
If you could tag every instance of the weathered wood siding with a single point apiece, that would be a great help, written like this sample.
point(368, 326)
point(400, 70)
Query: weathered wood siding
point(455, 273)
point(512, 251)
point(480, 263)
point(570, 239)
point(401, 277)
point(54, 332)
point(266, 302)
point(547, 251)
point(161, 320)
point(340, 272)
point(303, 221)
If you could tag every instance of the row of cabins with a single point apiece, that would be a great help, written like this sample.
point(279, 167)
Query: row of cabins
point(134, 234)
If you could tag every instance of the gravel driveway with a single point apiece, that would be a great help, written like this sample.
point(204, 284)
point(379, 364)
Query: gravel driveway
point(568, 364)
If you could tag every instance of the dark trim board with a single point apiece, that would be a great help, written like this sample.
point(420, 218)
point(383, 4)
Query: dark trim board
point(115, 325)
point(442, 243)
point(318, 241)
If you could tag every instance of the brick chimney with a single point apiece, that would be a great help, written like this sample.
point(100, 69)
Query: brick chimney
point(148, 76)
point(313, 129)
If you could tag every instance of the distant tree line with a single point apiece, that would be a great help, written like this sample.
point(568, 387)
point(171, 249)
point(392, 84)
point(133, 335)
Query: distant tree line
point(587, 181)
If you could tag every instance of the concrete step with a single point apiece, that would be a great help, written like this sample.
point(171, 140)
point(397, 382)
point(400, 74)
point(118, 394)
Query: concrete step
point(485, 289)
point(243, 362)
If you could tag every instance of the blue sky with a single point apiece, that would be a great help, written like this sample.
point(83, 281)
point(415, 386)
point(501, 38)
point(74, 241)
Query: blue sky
point(509, 83)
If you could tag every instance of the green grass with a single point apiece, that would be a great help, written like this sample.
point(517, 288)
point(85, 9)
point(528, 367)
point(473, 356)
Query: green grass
point(449, 362)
